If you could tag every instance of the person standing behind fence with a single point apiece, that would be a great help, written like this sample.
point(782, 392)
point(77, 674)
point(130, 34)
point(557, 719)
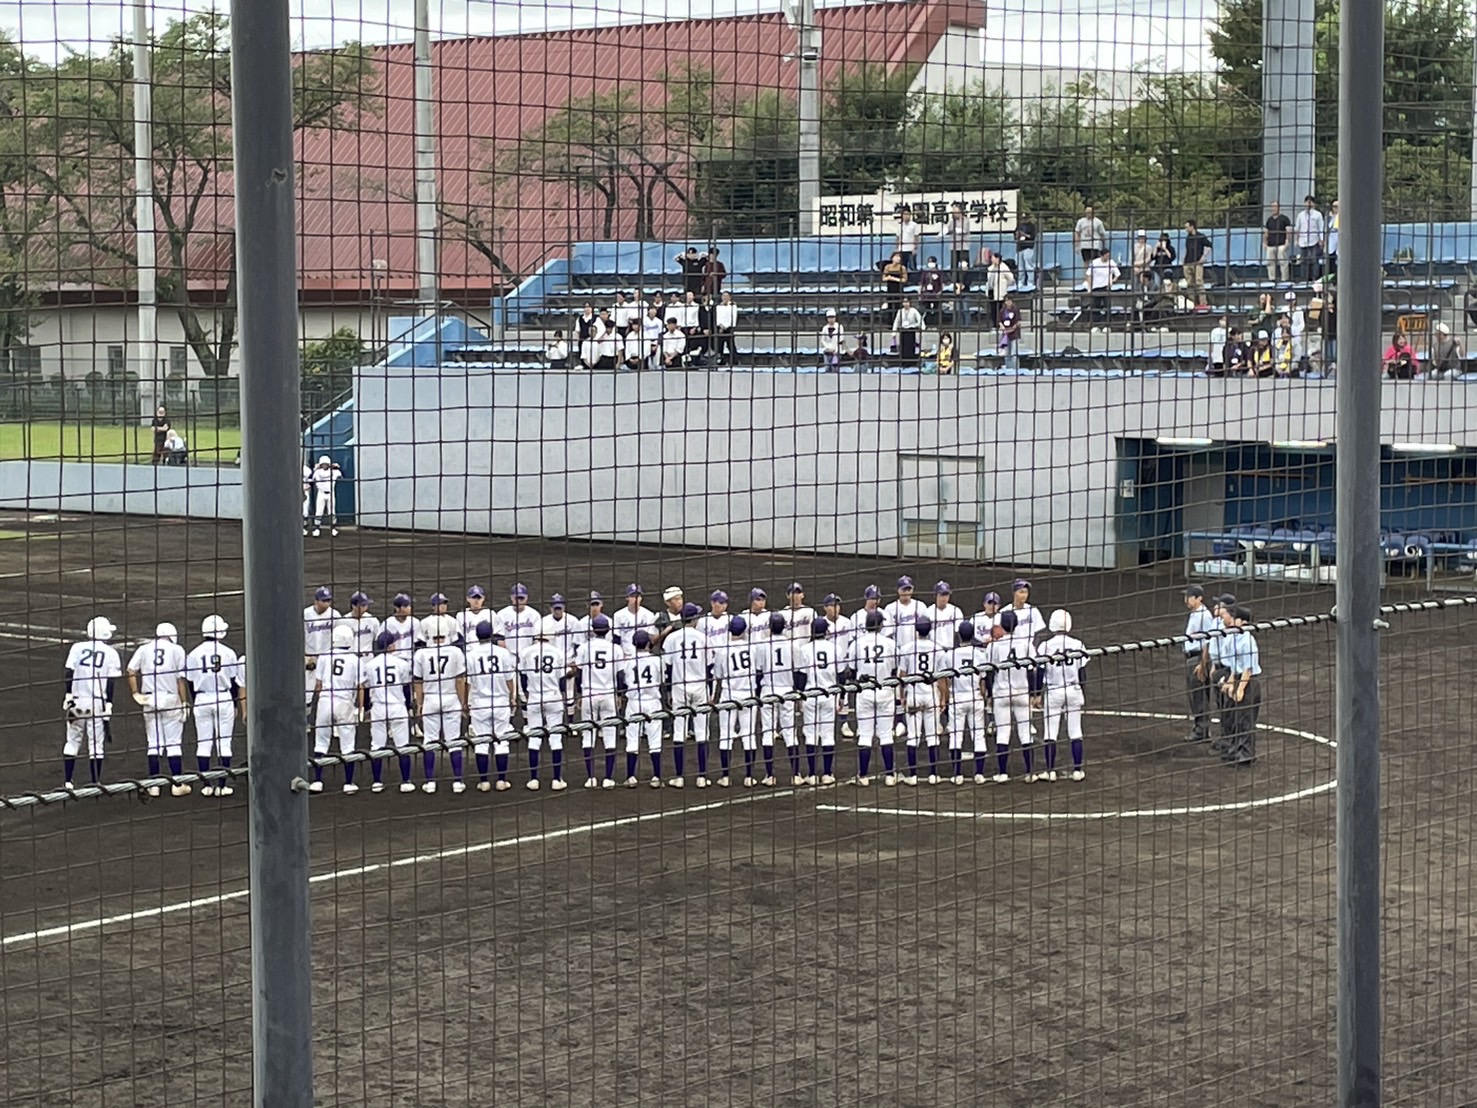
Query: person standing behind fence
point(725, 323)
point(1197, 663)
point(957, 236)
point(1217, 654)
point(1196, 257)
point(909, 234)
point(1242, 690)
point(326, 474)
point(1089, 237)
point(1066, 658)
point(160, 425)
point(1274, 240)
point(1025, 252)
point(906, 327)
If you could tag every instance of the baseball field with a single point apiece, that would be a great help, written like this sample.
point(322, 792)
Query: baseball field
point(101, 442)
point(1159, 934)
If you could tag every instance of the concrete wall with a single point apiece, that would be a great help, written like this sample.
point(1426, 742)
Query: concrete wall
point(813, 461)
point(201, 492)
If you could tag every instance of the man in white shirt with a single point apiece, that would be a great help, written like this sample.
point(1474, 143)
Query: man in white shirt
point(1102, 274)
point(1011, 695)
point(541, 676)
point(566, 628)
point(725, 324)
point(326, 475)
point(985, 620)
point(632, 616)
point(1309, 234)
point(1028, 622)
point(714, 625)
point(156, 677)
point(1089, 236)
point(339, 698)
point(439, 670)
point(688, 659)
point(557, 352)
point(386, 679)
point(1197, 662)
point(218, 678)
point(518, 621)
point(921, 698)
point(319, 620)
point(625, 312)
point(364, 626)
point(492, 676)
point(909, 234)
point(777, 667)
point(874, 660)
point(673, 346)
point(652, 327)
point(962, 704)
point(736, 678)
point(1061, 685)
point(404, 626)
point(944, 614)
point(595, 668)
point(798, 614)
point(475, 612)
point(635, 350)
point(907, 325)
point(642, 676)
point(92, 666)
point(833, 342)
point(821, 663)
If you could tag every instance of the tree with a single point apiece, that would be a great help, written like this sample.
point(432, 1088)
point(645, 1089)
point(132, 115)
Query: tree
point(864, 122)
point(26, 203)
point(88, 163)
point(958, 139)
point(328, 367)
point(746, 176)
point(1063, 162)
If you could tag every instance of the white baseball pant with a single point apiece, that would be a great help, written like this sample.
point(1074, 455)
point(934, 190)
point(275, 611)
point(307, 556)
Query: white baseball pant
point(323, 505)
point(214, 722)
point(1063, 704)
point(736, 723)
point(392, 729)
point(164, 725)
point(778, 719)
point(491, 728)
point(971, 712)
point(874, 711)
point(599, 710)
point(1013, 707)
point(922, 714)
point(338, 718)
point(544, 715)
point(695, 697)
point(652, 729)
point(441, 722)
point(818, 716)
point(88, 729)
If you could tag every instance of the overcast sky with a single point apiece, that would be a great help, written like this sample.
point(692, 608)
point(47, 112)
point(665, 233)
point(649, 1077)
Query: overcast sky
point(1116, 34)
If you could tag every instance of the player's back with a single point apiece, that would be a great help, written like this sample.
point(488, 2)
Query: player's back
point(489, 669)
point(821, 662)
point(598, 659)
point(437, 668)
point(1007, 654)
point(875, 656)
point(776, 661)
point(966, 661)
point(387, 675)
point(921, 659)
point(211, 668)
point(160, 664)
point(92, 663)
point(643, 677)
point(1064, 658)
point(737, 668)
point(687, 654)
point(542, 668)
point(340, 674)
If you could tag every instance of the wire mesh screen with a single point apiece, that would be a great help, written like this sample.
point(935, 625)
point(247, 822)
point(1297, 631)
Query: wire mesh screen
point(820, 537)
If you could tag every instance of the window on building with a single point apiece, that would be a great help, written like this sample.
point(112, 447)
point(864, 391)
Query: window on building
point(116, 362)
point(179, 361)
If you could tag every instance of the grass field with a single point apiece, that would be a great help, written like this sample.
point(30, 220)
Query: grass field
point(107, 443)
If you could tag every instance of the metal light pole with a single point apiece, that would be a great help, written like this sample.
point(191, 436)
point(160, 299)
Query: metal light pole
point(426, 266)
point(801, 15)
point(1357, 695)
point(146, 354)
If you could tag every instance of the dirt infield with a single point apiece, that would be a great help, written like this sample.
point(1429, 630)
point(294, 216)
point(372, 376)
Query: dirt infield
point(1160, 934)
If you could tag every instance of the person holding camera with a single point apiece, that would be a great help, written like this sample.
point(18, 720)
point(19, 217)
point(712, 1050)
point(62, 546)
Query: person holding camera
point(1401, 362)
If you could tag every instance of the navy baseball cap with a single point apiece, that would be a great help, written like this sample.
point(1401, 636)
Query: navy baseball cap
point(1008, 621)
point(641, 639)
point(922, 626)
point(758, 594)
point(633, 590)
point(439, 598)
point(596, 598)
point(519, 592)
point(719, 597)
point(323, 593)
point(942, 589)
point(384, 640)
point(476, 593)
point(795, 587)
point(992, 598)
point(360, 598)
point(874, 620)
point(777, 624)
point(1226, 599)
point(966, 631)
point(484, 630)
point(556, 601)
point(905, 582)
point(1194, 590)
point(600, 624)
point(737, 625)
point(871, 592)
point(820, 628)
point(1020, 583)
point(690, 612)
point(831, 598)
point(402, 600)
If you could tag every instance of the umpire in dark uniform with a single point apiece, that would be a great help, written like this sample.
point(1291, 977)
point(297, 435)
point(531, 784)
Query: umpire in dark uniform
point(1242, 689)
point(1197, 662)
point(1216, 656)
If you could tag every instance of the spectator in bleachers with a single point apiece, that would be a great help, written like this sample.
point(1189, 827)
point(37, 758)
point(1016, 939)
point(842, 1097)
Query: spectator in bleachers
point(674, 345)
point(894, 280)
point(833, 342)
point(689, 319)
point(909, 233)
point(1235, 357)
point(1163, 257)
point(705, 325)
point(585, 324)
point(1156, 300)
point(1089, 238)
point(1142, 260)
point(947, 356)
point(558, 352)
point(714, 272)
point(1333, 238)
point(999, 280)
point(1025, 251)
point(907, 326)
point(1297, 320)
point(1401, 361)
point(692, 265)
point(652, 329)
point(1284, 350)
point(1328, 326)
point(1265, 314)
point(1274, 243)
point(930, 290)
point(1010, 332)
point(625, 312)
point(1196, 257)
point(1309, 233)
point(1447, 353)
point(175, 453)
point(1102, 274)
point(957, 236)
point(1259, 357)
point(1215, 356)
point(659, 304)
point(636, 349)
point(607, 343)
point(590, 346)
point(725, 324)
point(1469, 305)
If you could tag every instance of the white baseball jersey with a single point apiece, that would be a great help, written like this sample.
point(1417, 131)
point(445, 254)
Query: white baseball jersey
point(900, 619)
point(626, 622)
point(687, 656)
point(736, 670)
point(366, 629)
point(966, 662)
point(642, 671)
point(581, 630)
point(407, 634)
point(318, 629)
point(387, 677)
point(758, 625)
point(1016, 679)
point(211, 669)
point(874, 656)
point(541, 670)
point(777, 665)
point(1067, 657)
point(92, 663)
point(567, 634)
point(518, 626)
point(437, 668)
point(490, 672)
point(983, 623)
point(842, 631)
point(945, 620)
point(821, 663)
point(324, 478)
point(1028, 622)
point(466, 623)
point(859, 621)
point(160, 664)
point(922, 659)
point(798, 621)
point(340, 675)
point(598, 660)
point(715, 630)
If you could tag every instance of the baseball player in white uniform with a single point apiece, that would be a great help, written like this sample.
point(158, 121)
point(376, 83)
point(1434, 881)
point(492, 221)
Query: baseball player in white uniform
point(405, 627)
point(714, 625)
point(156, 677)
point(735, 678)
point(364, 626)
point(921, 698)
point(1011, 694)
point(1061, 682)
point(821, 662)
point(777, 670)
point(339, 698)
point(492, 679)
point(798, 615)
point(689, 666)
point(565, 628)
point(541, 678)
point(963, 704)
point(439, 670)
point(944, 614)
point(987, 618)
point(584, 626)
point(326, 474)
point(92, 666)
point(307, 495)
point(519, 621)
point(902, 613)
point(642, 676)
point(319, 620)
point(595, 668)
point(757, 617)
point(874, 659)
point(842, 632)
point(632, 616)
point(475, 612)
point(387, 681)
point(218, 678)
point(1029, 625)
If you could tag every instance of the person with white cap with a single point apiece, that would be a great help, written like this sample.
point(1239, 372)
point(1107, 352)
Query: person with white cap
point(92, 666)
point(669, 619)
point(541, 681)
point(633, 615)
point(326, 474)
point(1447, 354)
point(518, 621)
point(339, 701)
point(156, 677)
point(439, 672)
point(319, 620)
point(1061, 681)
point(833, 342)
point(218, 677)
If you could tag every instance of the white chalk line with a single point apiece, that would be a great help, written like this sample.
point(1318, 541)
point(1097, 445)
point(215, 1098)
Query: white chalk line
point(1130, 813)
point(81, 927)
point(29, 633)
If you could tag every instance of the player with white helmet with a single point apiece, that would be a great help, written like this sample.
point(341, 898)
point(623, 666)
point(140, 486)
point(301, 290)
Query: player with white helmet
point(492, 678)
point(921, 698)
point(364, 626)
point(541, 678)
point(156, 677)
point(319, 620)
point(874, 660)
point(326, 474)
point(633, 615)
point(777, 676)
point(307, 495)
point(92, 667)
point(962, 702)
point(518, 621)
point(736, 678)
point(689, 663)
point(642, 674)
point(339, 699)
point(1065, 658)
point(595, 671)
point(404, 626)
point(1011, 693)
point(439, 672)
point(475, 612)
point(218, 677)
point(386, 679)
point(821, 663)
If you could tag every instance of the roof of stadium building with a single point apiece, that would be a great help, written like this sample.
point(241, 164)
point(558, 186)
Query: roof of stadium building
point(356, 203)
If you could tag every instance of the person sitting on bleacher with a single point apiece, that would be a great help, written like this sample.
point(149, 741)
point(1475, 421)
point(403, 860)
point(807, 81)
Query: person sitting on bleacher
point(930, 289)
point(1401, 362)
point(558, 352)
point(1284, 349)
point(833, 342)
point(1265, 314)
point(1447, 354)
point(1259, 359)
point(652, 329)
point(1102, 272)
point(1234, 358)
point(175, 453)
point(636, 349)
point(626, 312)
point(674, 345)
point(947, 357)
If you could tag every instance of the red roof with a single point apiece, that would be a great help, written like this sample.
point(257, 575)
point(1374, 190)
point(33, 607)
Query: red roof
point(358, 184)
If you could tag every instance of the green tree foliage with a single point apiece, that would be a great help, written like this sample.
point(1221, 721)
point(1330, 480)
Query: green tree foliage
point(27, 249)
point(746, 176)
point(328, 366)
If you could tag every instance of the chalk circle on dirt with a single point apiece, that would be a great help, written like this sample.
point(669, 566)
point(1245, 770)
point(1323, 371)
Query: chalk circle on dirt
point(1128, 813)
